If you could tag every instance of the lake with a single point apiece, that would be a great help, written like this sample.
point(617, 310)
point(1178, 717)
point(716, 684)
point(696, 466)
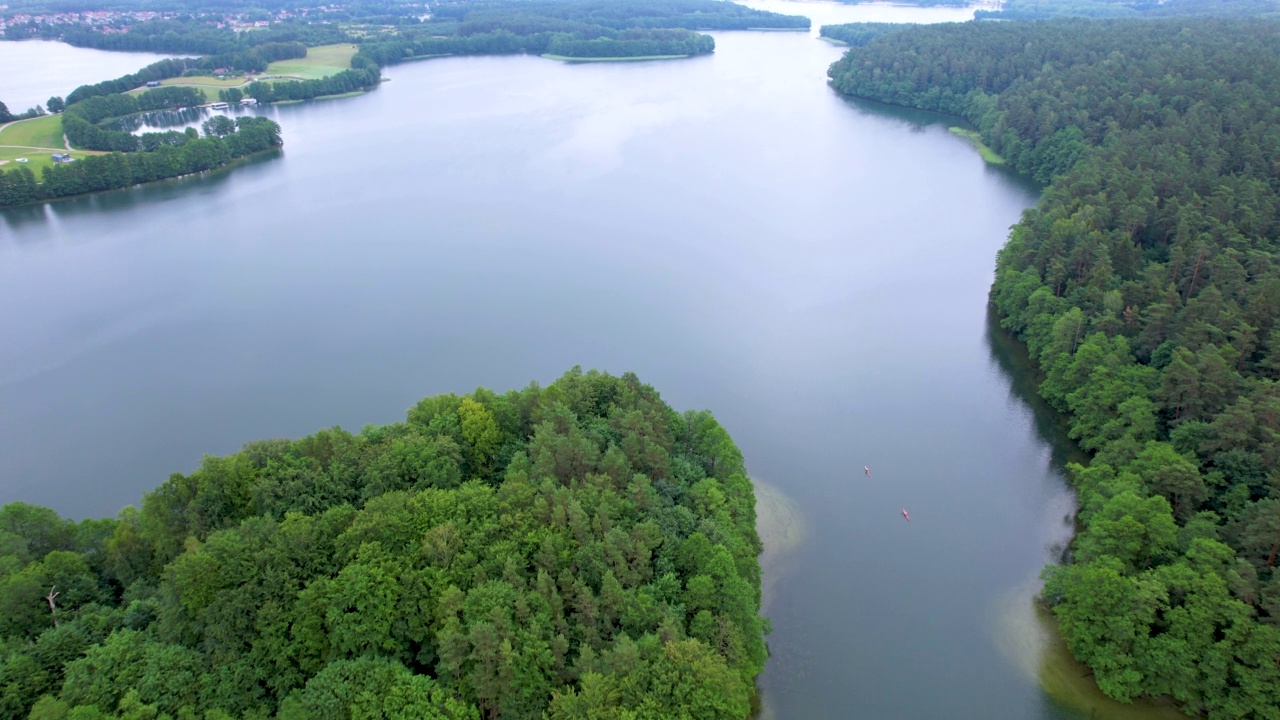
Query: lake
point(35, 70)
point(813, 270)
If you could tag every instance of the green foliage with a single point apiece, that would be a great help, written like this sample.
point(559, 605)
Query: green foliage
point(353, 80)
point(859, 34)
point(1146, 288)
point(579, 550)
point(1045, 9)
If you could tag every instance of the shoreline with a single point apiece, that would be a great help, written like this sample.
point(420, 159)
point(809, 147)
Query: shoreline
point(781, 528)
point(990, 156)
point(1028, 635)
point(229, 165)
point(634, 58)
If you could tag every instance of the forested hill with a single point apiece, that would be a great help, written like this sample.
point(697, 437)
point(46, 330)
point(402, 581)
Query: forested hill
point(1146, 285)
point(579, 551)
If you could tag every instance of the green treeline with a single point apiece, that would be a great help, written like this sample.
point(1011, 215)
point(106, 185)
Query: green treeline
point(606, 43)
point(579, 551)
point(575, 28)
point(225, 47)
point(154, 72)
point(859, 34)
point(634, 43)
point(166, 155)
point(525, 16)
point(353, 80)
point(1048, 9)
point(1146, 285)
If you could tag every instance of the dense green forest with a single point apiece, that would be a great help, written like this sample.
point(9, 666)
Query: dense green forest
point(1146, 285)
point(579, 551)
point(1048, 9)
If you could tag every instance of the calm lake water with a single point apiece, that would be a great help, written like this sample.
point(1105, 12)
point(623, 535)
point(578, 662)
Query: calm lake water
point(813, 270)
point(31, 71)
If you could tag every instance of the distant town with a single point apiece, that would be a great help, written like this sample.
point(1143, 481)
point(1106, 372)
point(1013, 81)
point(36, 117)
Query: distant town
point(110, 22)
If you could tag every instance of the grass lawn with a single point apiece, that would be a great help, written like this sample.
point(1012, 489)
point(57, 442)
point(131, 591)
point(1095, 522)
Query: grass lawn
point(36, 159)
point(567, 58)
point(320, 62)
point(972, 136)
point(203, 81)
point(39, 132)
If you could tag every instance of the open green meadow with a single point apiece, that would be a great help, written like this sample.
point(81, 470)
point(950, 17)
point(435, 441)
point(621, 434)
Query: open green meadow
point(320, 62)
point(36, 159)
point(42, 132)
point(204, 81)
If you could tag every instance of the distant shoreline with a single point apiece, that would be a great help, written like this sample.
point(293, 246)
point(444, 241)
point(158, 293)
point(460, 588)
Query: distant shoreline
point(634, 58)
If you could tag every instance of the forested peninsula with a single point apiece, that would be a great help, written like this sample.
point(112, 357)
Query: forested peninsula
point(1146, 286)
point(579, 551)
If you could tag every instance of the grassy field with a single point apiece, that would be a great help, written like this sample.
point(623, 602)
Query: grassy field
point(320, 62)
point(45, 132)
point(567, 58)
point(36, 159)
point(204, 81)
point(972, 136)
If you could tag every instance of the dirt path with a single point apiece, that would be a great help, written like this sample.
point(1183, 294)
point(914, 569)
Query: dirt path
point(32, 147)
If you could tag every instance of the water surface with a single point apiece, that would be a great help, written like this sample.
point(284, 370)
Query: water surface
point(32, 71)
point(813, 270)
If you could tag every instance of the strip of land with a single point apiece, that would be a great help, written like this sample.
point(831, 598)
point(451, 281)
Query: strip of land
point(568, 58)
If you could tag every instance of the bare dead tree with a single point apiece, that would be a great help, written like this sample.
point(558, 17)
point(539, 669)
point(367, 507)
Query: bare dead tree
point(53, 608)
